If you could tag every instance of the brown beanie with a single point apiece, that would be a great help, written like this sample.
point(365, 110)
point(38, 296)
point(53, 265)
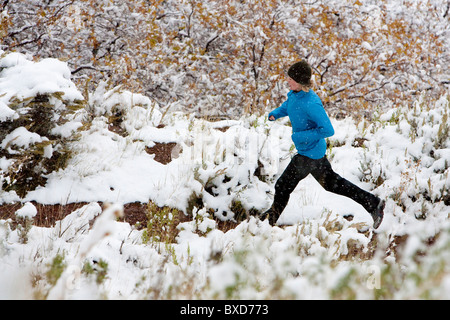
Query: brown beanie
point(301, 72)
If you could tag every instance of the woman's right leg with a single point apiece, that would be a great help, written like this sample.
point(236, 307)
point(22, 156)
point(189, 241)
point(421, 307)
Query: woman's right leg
point(297, 170)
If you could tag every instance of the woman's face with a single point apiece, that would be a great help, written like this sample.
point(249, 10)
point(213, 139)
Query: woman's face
point(294, 85)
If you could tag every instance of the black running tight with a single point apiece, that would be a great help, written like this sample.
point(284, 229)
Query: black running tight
point(321, 170)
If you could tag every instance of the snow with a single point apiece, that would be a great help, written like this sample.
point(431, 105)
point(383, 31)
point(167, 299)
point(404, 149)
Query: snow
point(27, 211)
point(303, 257)
point(5, 112)
point(21, 137)
point(23, 78)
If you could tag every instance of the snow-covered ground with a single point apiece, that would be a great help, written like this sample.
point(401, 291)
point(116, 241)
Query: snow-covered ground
point(399, 155)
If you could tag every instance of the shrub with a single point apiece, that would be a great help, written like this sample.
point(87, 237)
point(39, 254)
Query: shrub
point(38, 121)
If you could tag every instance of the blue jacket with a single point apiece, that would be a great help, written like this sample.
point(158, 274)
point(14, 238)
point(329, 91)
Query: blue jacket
point(310, 123)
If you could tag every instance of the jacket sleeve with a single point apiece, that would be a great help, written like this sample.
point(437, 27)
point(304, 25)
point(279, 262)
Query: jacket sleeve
point(280, 112)
point(323, 129)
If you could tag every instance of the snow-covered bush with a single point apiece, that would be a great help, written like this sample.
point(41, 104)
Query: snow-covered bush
point(38, 116)
point(125, 111)
point(25, 216)
point(407, 152)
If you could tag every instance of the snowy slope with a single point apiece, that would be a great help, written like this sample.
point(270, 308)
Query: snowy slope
point(400, 156)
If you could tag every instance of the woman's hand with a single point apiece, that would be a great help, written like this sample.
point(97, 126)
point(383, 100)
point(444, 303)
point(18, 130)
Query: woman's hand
point(272, 118)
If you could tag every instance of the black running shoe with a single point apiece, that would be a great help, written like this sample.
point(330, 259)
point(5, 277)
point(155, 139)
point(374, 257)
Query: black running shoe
point(271, 215)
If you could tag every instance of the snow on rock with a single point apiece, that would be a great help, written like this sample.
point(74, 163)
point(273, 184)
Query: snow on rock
point(28, 211)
